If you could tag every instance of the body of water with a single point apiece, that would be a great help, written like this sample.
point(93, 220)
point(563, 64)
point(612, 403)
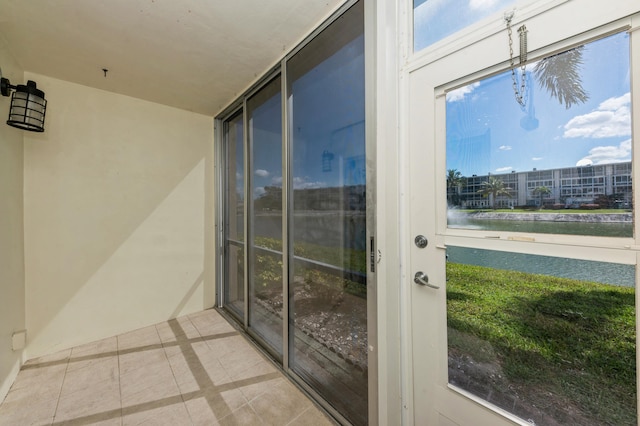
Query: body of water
point(347, 230)
point(586, 270)
point(596, 229)
point(566, 228)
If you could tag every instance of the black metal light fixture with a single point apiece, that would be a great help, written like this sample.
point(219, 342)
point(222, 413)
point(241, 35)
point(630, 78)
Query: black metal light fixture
point(28, 105)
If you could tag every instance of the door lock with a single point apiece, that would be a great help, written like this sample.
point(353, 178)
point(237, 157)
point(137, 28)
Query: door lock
point(422, 279)
point(421, 241)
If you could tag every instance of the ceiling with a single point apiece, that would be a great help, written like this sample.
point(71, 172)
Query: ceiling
point(196, 55)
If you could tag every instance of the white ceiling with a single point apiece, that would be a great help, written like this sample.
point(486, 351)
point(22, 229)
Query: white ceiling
point(196, 55)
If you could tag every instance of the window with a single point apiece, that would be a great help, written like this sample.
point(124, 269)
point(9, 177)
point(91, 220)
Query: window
point(548, 338)
point(495, 141)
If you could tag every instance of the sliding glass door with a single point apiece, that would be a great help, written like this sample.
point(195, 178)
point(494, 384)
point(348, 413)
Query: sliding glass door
point(327, 275)
point(264, 123)
point(234, 226)
point(295, 217)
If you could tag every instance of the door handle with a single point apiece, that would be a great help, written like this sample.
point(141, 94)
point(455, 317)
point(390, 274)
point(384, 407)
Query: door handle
point(422, 279)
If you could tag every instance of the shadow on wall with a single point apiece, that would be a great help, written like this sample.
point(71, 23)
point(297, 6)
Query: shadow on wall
point(118, 216)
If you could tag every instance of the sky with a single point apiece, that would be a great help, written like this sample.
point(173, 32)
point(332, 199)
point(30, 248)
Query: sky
point(435, 19)
point(326, 126)
point(488, 131)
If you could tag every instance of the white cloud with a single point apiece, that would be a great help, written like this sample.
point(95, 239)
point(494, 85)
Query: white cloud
point(259, 191)
point(503, 169)
point(609, 154)
point(481, 4)
point(611, 119)
point(537, 158)
point(613, 104)
point(303, 183)
point(458, 94)
point(584, 162)
point(299, 183)
point(505, 148)
point(262, 173)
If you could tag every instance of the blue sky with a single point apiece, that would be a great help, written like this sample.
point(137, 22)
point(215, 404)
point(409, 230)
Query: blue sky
point(484, 122)
point(436, 19)
point(327, 115)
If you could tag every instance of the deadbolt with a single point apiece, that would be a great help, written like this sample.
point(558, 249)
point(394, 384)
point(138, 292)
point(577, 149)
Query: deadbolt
point(421, 241)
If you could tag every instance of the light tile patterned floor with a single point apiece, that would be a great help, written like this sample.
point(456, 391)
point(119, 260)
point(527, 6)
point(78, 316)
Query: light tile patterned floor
point(193, 370)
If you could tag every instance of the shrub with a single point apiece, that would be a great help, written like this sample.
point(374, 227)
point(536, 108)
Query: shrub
point(589, 206)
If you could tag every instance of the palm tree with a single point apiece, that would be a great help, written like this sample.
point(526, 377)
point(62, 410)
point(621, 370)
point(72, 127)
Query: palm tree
point(560, 76)
point(493, 187)
point(455, 181)
point(541, 191)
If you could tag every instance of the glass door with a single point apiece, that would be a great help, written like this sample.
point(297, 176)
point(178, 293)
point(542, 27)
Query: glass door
point(523, 299)
point(234, 223)
point(328, 260)
point(264, 123)
point(295, 222)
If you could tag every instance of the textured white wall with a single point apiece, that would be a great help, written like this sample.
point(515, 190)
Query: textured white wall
point(12, 316)
point(118, 216)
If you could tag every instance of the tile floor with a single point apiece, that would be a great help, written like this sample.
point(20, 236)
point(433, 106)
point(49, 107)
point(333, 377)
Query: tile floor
point(193, 370)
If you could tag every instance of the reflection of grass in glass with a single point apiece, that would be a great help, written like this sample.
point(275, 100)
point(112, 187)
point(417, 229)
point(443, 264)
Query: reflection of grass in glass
point(572, 338)
point(552, 211)
point(350, 259)
point(268, 268)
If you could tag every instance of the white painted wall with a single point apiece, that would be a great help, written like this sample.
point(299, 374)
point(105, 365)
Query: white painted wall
point(118, 216)
point(12, 312)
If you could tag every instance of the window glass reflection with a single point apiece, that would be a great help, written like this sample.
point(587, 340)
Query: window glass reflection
point(559, 164)
point(553, 346)
point(234, 223)
point(434, 20)
point(264, 114)
point(327, 293)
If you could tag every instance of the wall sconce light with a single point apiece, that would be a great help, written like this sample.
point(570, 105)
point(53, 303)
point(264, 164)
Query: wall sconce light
point(28, 105)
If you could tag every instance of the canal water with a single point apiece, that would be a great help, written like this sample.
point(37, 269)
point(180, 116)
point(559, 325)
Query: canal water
point(586, 270)
point(347, 230)
point(602, 272)
point(596, 229)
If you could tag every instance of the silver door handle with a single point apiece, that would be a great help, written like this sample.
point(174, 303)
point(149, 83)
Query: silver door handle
point(422, 279)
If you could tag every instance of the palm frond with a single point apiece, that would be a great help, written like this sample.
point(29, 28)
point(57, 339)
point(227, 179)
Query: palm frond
point(560, 76)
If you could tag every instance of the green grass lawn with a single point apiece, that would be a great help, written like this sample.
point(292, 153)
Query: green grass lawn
point(553, 211)
point(574, 340)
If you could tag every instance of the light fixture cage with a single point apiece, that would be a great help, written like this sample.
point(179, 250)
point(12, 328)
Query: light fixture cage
point(28, 108)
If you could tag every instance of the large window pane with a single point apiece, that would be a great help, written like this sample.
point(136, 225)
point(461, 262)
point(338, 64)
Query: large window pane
point(327, 286)
point(234, 223)
point(264, 118)
point(557, 346)
point(561, 163)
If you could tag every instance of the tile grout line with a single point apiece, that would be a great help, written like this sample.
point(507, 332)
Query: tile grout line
point(298, 416)
point(119, 377)
point(230, 378)
point(173, 373)
point(66, 368)
point(119, 380)
point(248, 402)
